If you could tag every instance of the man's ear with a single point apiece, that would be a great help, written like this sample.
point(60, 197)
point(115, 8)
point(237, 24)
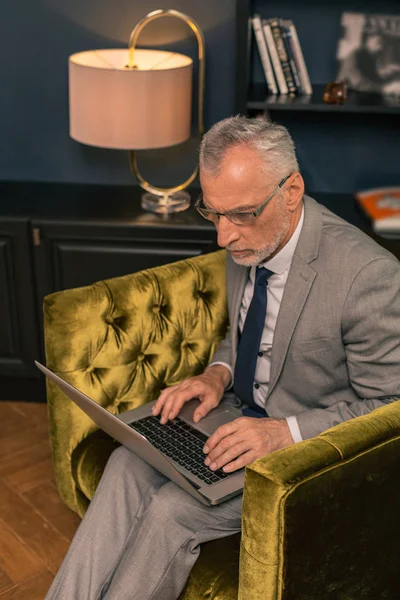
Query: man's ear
point(295, 191)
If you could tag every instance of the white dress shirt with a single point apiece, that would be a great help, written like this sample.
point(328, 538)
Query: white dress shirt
point(279, 265)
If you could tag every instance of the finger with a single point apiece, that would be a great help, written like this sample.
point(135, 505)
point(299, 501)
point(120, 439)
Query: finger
point(242, 461)
point(166, 409)
point(173, 408)
point(175, 401)
point(225, 445)
point(162, 399)
point(222, 432)
point(207, 403)
point(229, 455)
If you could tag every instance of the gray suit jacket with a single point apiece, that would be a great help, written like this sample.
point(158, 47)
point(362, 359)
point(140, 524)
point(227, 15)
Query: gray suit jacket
point(336, 346)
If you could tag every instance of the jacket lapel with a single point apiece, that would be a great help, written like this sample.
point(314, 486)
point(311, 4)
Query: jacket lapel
point(297, 288)
point(298, 285)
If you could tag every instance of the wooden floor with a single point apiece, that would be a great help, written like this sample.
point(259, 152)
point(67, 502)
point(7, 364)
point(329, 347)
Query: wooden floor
point(35, 526)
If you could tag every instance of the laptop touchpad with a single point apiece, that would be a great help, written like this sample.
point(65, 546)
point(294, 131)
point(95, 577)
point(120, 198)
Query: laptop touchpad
point(211, 422)
point(208, 424)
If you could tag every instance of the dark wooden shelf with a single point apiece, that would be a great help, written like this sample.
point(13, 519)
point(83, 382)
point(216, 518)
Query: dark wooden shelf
point(117, 206)
point(357, 102)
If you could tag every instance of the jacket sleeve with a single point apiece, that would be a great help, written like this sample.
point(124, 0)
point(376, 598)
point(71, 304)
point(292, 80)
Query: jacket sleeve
point(371, 336)
point(222, 356)
point(224, 353)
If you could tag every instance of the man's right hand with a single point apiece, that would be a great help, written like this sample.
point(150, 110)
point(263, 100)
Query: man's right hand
point(208, 388)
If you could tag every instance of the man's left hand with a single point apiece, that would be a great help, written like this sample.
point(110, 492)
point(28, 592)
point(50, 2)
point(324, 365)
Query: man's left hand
point(242, 441)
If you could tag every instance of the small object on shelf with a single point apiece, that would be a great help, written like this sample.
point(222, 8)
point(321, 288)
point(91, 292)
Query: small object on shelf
point(335, 92)
point(368, 53)
point(382, 207)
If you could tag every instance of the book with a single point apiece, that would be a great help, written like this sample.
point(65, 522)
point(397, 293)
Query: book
point(264, 55)
point(382, 207)
point(286, 35)
point(297, 52)
point(368, 52)
point(273, 52)
point(283, 57)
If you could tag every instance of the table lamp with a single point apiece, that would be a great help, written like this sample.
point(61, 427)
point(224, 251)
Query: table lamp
point(138, 99)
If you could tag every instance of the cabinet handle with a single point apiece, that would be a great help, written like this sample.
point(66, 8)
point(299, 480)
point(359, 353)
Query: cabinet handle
point(36, 236)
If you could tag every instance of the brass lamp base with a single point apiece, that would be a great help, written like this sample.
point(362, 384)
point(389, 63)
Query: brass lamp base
point(167, 203)
point(173, 199)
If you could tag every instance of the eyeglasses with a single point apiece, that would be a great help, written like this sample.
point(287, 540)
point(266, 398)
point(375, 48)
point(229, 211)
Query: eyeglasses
point(237, 218)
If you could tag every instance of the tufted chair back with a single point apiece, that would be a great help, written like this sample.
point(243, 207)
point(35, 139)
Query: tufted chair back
point(122, 341)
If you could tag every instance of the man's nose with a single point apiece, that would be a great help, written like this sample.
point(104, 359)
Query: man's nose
point(227, 232)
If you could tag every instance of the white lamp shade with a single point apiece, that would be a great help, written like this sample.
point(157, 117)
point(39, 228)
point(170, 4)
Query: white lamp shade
point(111, 106)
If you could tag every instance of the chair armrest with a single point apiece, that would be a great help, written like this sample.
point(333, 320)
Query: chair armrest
point(312, 513)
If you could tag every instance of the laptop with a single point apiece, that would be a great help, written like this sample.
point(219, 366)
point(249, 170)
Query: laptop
point(174, 449)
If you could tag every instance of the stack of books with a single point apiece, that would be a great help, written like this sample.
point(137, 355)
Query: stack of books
point(281, 56)
point(382, 207)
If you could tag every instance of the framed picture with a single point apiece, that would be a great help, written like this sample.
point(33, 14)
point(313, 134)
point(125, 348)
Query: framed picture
point(368, 53)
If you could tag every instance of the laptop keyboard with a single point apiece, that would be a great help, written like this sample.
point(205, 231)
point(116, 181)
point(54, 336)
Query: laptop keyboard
point(180, 442)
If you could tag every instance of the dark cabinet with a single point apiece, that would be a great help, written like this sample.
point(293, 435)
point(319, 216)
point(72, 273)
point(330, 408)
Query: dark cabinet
point(19, 334)
point(72, 255)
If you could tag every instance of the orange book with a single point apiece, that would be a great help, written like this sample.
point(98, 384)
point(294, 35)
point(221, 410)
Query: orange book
point(382, 206)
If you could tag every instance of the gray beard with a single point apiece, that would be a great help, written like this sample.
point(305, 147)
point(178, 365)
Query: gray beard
point(266, 251)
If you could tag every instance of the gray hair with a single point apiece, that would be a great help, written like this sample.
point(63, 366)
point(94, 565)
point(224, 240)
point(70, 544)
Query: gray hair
point(271, 141)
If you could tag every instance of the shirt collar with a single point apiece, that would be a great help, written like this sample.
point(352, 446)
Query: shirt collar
point(281, 262)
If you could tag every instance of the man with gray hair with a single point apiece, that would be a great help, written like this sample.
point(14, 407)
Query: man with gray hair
point(313, 341)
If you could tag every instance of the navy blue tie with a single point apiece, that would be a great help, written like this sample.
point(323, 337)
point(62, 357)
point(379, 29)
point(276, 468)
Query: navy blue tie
point(250, 339)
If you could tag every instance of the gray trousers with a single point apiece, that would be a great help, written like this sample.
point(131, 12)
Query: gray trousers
point(140, 536)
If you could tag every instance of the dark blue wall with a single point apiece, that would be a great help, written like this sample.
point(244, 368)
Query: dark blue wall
point(340, 153)
point(37, 36)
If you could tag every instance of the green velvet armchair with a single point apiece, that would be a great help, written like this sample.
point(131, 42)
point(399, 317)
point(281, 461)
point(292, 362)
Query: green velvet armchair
point(320, 518)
